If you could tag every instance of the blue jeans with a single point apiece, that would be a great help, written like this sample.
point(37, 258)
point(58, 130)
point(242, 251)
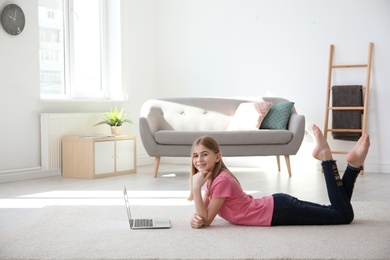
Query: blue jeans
point(289, 210)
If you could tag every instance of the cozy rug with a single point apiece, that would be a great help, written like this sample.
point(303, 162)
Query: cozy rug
point(102, 232)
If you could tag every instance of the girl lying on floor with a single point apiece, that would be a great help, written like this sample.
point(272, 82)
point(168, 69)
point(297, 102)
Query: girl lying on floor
point(225, 197)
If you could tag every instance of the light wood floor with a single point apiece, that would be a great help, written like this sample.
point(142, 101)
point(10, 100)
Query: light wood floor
point(22, 198)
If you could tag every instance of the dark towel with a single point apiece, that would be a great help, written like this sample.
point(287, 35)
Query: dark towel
point(347, 96)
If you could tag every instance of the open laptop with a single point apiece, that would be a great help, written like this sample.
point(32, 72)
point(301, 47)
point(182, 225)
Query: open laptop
point(144, 223)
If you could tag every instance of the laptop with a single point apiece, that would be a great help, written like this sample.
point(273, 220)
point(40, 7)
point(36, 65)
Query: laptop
point(144, 223)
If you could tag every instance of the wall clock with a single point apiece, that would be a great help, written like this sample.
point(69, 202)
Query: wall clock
point(13, 19)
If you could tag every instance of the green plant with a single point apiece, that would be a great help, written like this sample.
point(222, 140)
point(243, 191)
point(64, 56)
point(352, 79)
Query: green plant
point(115, 118)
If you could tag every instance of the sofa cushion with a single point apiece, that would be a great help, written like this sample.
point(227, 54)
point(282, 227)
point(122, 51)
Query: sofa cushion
point(172, 137)
point(249, 116)
point(278, 116)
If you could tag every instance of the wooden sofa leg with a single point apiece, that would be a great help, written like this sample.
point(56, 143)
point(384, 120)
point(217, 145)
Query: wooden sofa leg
point(278, 162)
point(287, 158)
point(156, 164)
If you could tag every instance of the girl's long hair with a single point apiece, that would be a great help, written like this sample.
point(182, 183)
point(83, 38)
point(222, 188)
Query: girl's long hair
point(211, 144)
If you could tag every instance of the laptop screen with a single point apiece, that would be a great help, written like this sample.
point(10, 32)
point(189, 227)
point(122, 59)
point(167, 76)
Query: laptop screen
point(127, 203)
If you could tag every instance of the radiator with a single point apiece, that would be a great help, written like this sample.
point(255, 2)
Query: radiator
point(56, 125)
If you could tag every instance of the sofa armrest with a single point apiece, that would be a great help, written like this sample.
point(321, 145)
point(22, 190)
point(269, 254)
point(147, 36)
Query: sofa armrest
point(297, 126)
point(151, 120)
point(147, 136)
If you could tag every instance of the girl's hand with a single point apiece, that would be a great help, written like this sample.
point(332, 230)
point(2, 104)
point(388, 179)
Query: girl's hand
point(196, 221)
point(200, 178)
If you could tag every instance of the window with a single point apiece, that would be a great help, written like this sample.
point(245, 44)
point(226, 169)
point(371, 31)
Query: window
point(80, 49)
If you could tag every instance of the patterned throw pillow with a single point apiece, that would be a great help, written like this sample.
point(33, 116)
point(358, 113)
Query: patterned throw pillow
point(262, 108)
point(249, 116)
point(278, 116)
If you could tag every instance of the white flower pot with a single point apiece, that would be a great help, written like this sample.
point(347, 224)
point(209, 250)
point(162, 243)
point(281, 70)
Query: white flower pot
point(116, 130)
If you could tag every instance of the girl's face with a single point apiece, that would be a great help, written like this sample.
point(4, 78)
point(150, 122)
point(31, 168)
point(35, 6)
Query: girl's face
point(204, 159)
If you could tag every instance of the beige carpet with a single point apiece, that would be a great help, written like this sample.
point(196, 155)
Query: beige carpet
point(102, 232)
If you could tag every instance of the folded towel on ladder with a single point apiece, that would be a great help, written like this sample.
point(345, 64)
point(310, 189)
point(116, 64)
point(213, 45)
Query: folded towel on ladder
point(347, 96)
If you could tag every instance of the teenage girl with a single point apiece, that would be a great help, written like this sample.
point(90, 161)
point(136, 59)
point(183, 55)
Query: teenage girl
point(224, 196)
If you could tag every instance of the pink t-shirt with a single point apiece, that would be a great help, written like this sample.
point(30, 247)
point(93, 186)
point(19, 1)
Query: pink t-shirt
point(240, 208)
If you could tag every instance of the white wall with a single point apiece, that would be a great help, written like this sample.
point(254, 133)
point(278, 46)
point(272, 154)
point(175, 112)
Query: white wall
point(208, 48)
point(280, 48)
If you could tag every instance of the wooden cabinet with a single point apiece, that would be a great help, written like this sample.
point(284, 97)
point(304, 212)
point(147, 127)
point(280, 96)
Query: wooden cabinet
point(95, 156)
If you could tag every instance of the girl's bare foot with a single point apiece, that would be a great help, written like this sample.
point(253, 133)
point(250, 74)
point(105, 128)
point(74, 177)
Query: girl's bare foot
point(358, 154)
point(321, 151)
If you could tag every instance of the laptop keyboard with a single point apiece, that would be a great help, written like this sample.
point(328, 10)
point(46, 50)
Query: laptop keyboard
point(143, 223)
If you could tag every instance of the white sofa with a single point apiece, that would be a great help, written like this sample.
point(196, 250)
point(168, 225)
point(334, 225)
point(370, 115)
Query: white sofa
point(169, 126)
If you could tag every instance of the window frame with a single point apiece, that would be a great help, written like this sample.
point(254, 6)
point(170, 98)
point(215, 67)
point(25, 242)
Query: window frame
point(110, 90)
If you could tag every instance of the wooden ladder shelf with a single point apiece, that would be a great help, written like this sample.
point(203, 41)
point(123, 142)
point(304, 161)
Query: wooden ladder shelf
point(365, 89)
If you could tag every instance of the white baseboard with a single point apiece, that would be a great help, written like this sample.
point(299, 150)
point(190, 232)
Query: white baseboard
point(145, 160)
point(22, 175)
point(377, 168)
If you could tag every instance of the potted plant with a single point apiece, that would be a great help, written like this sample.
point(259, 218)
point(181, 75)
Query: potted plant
point(115, 118)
